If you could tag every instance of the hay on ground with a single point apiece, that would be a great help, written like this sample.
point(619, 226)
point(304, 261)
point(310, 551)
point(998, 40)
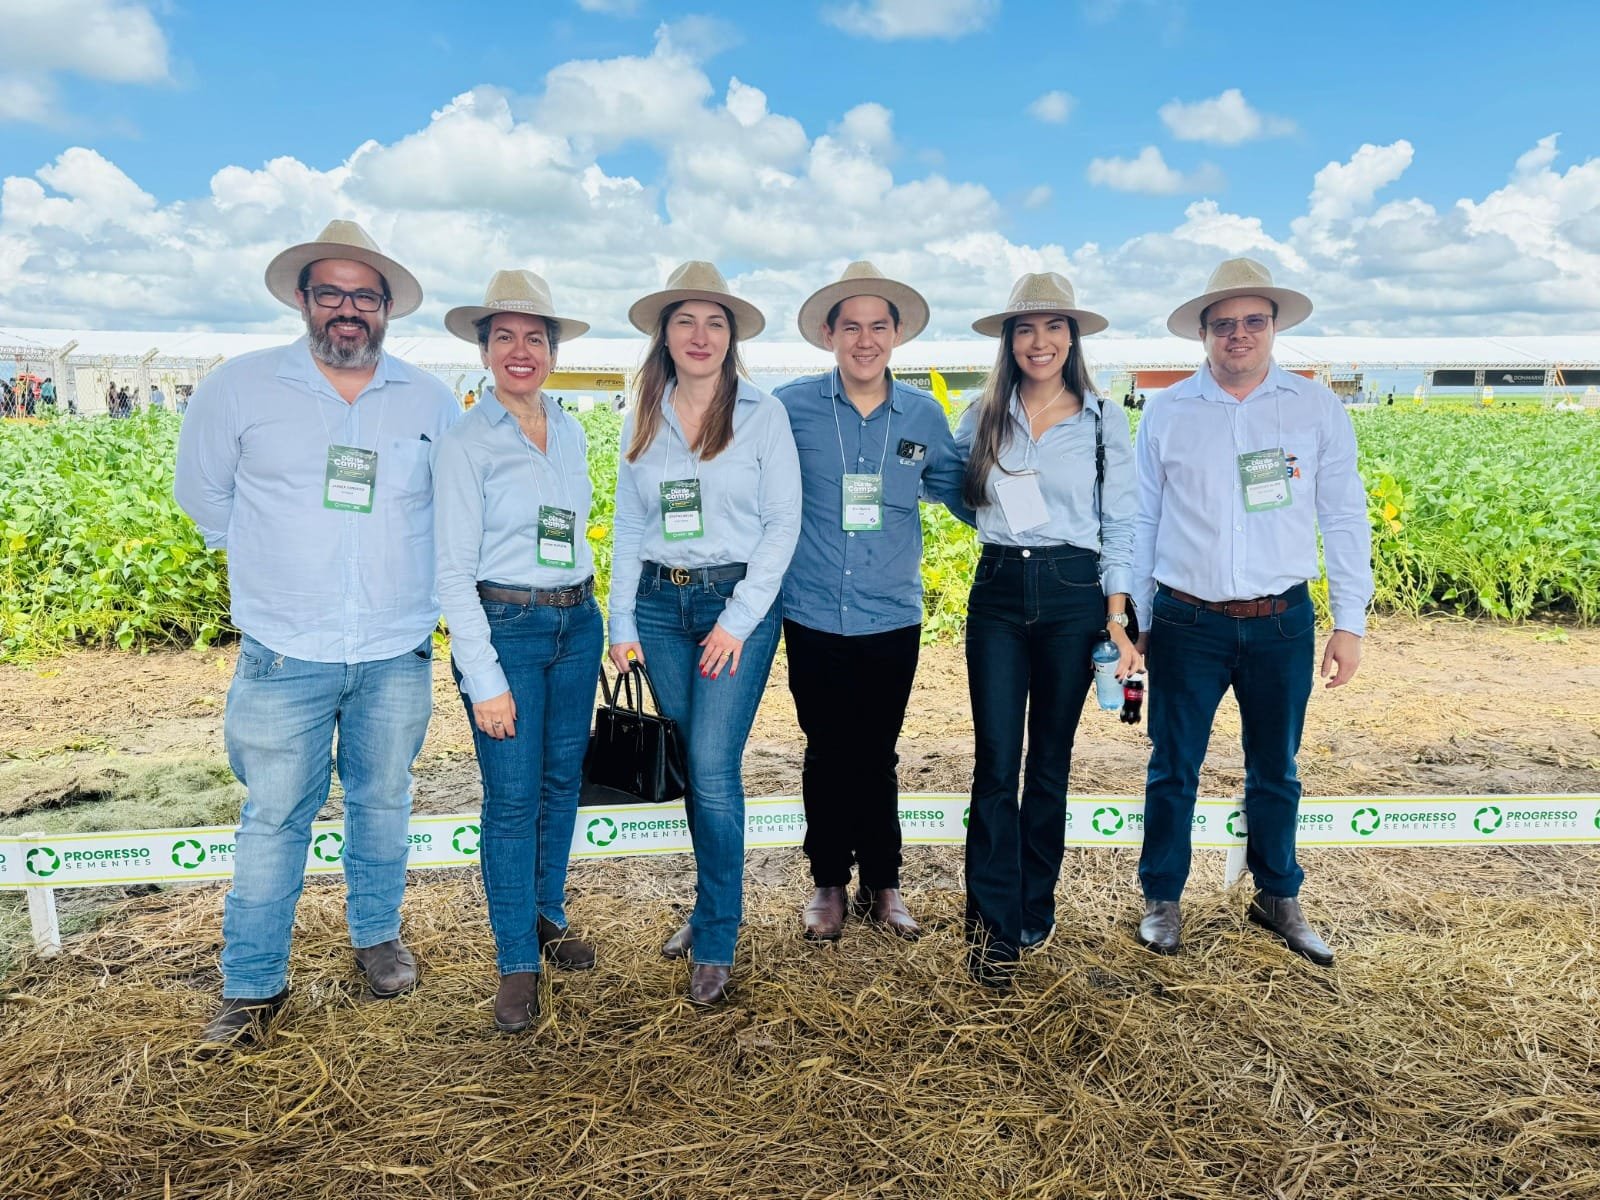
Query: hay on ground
point(1453, 1053)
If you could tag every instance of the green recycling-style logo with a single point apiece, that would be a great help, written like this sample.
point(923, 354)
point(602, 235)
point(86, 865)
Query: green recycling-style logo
point(465, 839)
point(43, 862)
point(1366, 821)
point(329, 847)
point(602, 831)
point(188, 854)
point(1488, 819)
point(966, 815)
point(1107, 821)
point(1236, 825)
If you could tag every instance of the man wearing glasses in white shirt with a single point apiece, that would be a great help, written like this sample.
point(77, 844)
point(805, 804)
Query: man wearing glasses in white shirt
point(1240, 465)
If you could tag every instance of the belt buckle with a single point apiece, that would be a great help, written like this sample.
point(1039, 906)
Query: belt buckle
point(565, 598)
point(679, 575)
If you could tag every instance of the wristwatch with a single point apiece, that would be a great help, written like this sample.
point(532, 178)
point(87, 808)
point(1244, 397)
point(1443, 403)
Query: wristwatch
point(1120, 618)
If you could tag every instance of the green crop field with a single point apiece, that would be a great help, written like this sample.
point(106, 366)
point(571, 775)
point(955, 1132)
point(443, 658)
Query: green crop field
point(1483, 512)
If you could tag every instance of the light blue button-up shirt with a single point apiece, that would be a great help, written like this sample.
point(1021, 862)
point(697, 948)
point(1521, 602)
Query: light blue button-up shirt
point(307, 581)
point(750, 502)
point(489, 482)
point(1193, 531)
point(864, 581)
point(1064, 458)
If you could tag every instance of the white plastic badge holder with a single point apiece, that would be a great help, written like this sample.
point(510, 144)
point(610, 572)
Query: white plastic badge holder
point(1021, 501)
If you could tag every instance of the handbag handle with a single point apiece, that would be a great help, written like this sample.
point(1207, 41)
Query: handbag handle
point(624, 689)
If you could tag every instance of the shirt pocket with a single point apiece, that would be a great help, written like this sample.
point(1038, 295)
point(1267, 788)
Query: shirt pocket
point(413, 466)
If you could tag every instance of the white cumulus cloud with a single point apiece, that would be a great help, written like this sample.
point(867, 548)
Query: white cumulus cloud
point(1224, 120)
point(1149, 173)
point(1053, 108)
point(892, 20)
point(113, 41)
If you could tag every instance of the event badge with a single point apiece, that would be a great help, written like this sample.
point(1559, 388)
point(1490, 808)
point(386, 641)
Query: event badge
point(1021, 501)
point(1265, 477)
point(863, 502)
point(556, 529)
point(351, 474)
point(680, 510)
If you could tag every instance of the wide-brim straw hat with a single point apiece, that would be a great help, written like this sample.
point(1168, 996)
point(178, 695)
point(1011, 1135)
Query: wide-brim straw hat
point(346, 240)
point(512, 292)
point(1049, 292)
point(1239, 277)
point(696, 281)
point(863, 279)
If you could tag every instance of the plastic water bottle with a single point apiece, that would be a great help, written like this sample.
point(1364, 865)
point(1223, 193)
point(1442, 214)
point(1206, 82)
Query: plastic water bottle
point(1107, 687)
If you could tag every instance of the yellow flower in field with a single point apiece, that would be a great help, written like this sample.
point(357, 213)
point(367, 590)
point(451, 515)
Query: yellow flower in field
point(597, 533)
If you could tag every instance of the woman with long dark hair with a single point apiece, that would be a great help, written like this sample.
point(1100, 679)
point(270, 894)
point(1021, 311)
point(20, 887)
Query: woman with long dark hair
point(1050, 478)
point(707, 517)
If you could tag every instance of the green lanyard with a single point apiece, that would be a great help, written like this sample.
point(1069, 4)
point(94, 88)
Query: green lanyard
point(861, 496)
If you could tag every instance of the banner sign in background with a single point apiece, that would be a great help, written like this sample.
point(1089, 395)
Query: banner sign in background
point(194, 855)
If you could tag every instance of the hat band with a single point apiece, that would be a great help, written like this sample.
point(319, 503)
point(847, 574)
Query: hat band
point(1038, 305)
point(525, 306)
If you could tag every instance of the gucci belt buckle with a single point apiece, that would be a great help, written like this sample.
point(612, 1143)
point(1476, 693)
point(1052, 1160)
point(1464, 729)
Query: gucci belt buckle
point(679, 576)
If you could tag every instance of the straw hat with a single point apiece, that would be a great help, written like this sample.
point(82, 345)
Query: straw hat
point(863, 279)
point(696, 281)
point(347, 240)
point(514, 292)
point(1239, 277)
point(1046, 293)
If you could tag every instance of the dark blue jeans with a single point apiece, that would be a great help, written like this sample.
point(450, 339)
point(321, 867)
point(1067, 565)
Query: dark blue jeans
point(1194, 656)
point(1032, 623)
point(551, 657)
point(714, 716)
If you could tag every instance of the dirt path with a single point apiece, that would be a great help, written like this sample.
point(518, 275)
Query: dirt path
point(1440, 705)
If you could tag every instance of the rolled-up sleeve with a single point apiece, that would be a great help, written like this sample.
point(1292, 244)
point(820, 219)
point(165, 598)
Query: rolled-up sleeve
point(627, 531)
point(457, 541)
point(1346, 528)
point(1120, 505)
point(778, 503)
point(1150, 480)
point(208, 460)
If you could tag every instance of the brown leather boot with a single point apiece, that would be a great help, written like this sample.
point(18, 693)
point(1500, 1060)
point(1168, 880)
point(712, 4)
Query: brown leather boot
point(516, 1003)
point(389, 967)
point(885, 907)
point(680, 943)
point(564, 948)
point(1282, 915)
point(824, 916)
point(708, 983)
point(239, 1025)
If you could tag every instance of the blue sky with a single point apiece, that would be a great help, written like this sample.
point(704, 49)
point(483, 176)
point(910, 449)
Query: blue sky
point(1129, 143)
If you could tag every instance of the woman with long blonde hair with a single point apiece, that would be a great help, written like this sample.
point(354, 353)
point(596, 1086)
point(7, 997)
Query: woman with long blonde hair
point(1050, 477)
point(707, 517)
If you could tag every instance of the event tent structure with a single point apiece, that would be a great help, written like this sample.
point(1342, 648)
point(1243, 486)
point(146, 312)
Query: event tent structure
point(84, 362)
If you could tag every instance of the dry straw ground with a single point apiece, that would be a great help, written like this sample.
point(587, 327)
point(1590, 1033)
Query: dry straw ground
point(1453, 1053)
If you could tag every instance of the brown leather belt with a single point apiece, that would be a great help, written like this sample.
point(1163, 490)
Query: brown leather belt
point(704, 576)
point(1263, 606)
point(567, 597)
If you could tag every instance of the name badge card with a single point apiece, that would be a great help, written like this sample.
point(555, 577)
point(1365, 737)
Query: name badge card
point(863, 502)
point(1021, 501)
point(1264, 475)
point(680, 510)
point(352, 473)
point(557, 527)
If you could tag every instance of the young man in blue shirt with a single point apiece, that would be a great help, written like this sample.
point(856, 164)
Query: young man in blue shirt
point(870, 449)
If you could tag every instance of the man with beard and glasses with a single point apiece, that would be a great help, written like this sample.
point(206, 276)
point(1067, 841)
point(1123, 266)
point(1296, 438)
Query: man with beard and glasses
point(311, 464)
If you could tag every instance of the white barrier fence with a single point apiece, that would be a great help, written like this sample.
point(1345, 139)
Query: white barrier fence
point(40, 863)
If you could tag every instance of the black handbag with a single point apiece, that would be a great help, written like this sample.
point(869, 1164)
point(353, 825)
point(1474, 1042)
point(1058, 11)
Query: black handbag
point(634, 756)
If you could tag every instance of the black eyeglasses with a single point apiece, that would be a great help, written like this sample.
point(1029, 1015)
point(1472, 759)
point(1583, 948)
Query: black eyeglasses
point(1254, 323)
point(365, 299)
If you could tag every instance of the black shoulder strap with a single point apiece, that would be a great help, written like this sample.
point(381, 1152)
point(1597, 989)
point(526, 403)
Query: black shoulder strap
point(1100, 478)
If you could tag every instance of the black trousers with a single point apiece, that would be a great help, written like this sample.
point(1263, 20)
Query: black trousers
point(850, 693)
point(1032, 623)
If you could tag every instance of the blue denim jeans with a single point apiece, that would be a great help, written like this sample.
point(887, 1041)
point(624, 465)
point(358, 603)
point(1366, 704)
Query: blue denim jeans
point(1032, 624)
point(714, 716)
point(551, 658)
point(279, 727)
point(1194, 656)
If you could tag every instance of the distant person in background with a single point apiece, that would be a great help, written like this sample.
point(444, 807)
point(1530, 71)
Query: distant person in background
point(1240, 467)
point(158, 399)
point(618, 403)
point(1391, 398)
point(124, 402)
point(469, 400)
point(311, 464)
point(111, 400)
point(1127, 401)
point(7, 399)
point(1141, 401)
point(47, 393)
point(182, 399)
